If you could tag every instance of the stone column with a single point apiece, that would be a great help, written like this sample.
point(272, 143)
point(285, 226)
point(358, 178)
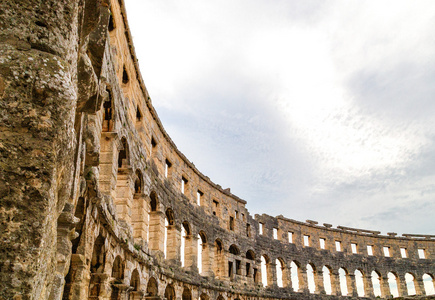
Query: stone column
point(368, 286)
point(124, 195)
point(140, 218)
point(385, 288)
point(173, 243)
point(109, 145)
point(157, 231)
point(271, 273)
point(191, 252)
point(207, 261)
point(335, 283)
point(419, 286)
point(318, 280)
point(303, 279)
point(401, 286)
point(351, 285)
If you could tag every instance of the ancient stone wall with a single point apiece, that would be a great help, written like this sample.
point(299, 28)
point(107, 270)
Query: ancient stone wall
point(98, 203)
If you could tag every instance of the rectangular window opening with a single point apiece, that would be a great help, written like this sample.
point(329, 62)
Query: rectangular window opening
point(338, 246)
point(306, 240)
point(138, 114)
point(167, 168)
point(238, 267)
point(290, 237)
point(353, 248)
point(184, 182)
point(370, 250)
point(231, 223)
point(260, 228)
point(248, 230)
point(275, 233)
point(403, 253)
point(322, 243)
point(199, 197)
point(248, 269)
point(237, 214)
point(386, 251)
point(215, 207)
point(421, 254)
point(230, 269)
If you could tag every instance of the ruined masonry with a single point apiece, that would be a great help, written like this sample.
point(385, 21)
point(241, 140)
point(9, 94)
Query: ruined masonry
point(96, 201)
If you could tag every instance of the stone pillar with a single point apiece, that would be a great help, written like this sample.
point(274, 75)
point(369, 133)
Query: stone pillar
point(419, 286)
point(124, 195)
point(157, 231)
point(401, 286)
point(385, 288)
point(318, 280)
point(351, 285)
point(287, 275)
point(108, 159)
point(303, 279)
point(191, 252)
point(77, 286)
point(206, 260)
point(140, 218)
point(173, 243)
point(335, 283)
point(271, 273)
point(368, 286)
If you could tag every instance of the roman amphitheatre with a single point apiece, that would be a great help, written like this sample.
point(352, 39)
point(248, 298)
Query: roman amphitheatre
point(97, 202)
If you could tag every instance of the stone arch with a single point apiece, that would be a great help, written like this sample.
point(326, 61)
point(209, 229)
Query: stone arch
point(135, 280)
point(234, 250)
point(428, 283)
point(203, 259)
point(343, 276)
point(296, 275)
point(138, 182)
point(153, 288)
point(123, 154)
point(393, 284)
point(187, 294)
point(250, 255)
point(204, 296)
point(281, 272)
point(97, 266)
point(327, 280)
point(376, 283)
point(359, 282)
point(118, 269)
point(170, 292)
point(410, 284)
point(311, 280)
point(265, 274)
point(218, 267)
point(153, 201)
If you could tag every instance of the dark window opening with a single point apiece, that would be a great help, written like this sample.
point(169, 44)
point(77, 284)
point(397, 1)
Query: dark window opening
point(238, 267)
point(153, 202)
point(138, 114)
point(248, 269)
point(111, 22)
point(125, 78)
point(230, 269)
point(231, 223)
point(122, 157)
point(248, 230)
point(215, 207)
point(255, 275)
point(108, 112)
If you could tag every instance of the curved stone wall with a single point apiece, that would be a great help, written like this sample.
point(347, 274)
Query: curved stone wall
point(125, 215)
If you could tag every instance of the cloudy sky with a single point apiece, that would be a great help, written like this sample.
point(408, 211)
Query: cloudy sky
point(321, 110)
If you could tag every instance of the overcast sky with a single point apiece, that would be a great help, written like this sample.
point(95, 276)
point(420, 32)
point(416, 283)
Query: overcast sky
point(313, 109)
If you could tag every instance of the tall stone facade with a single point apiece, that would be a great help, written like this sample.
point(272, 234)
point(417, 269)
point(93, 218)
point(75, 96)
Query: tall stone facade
point(96, 201)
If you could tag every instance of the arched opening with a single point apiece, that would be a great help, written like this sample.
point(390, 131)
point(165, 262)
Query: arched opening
point(428, 282)
point(135, 280)
point(152, 288)
point(264, 273)
point(410, 284)
point(125, 78)
point(250, 255)
point(310, 278)
point(359, 282)
point(170, 292)
point(376, 282)
point(108, 113)
point(123, 154)
point(327, 280)
point(118, 275)
point(204, 296)
point(294, 273)
point(342, 273)
point(153, 201)
point(185, 231)
point(279, 272)
point(97, 267)
point(202, 242)
point(234, 250)
point(138, 182)
point(187, 295)
point(218, 262)
point(392, 283)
